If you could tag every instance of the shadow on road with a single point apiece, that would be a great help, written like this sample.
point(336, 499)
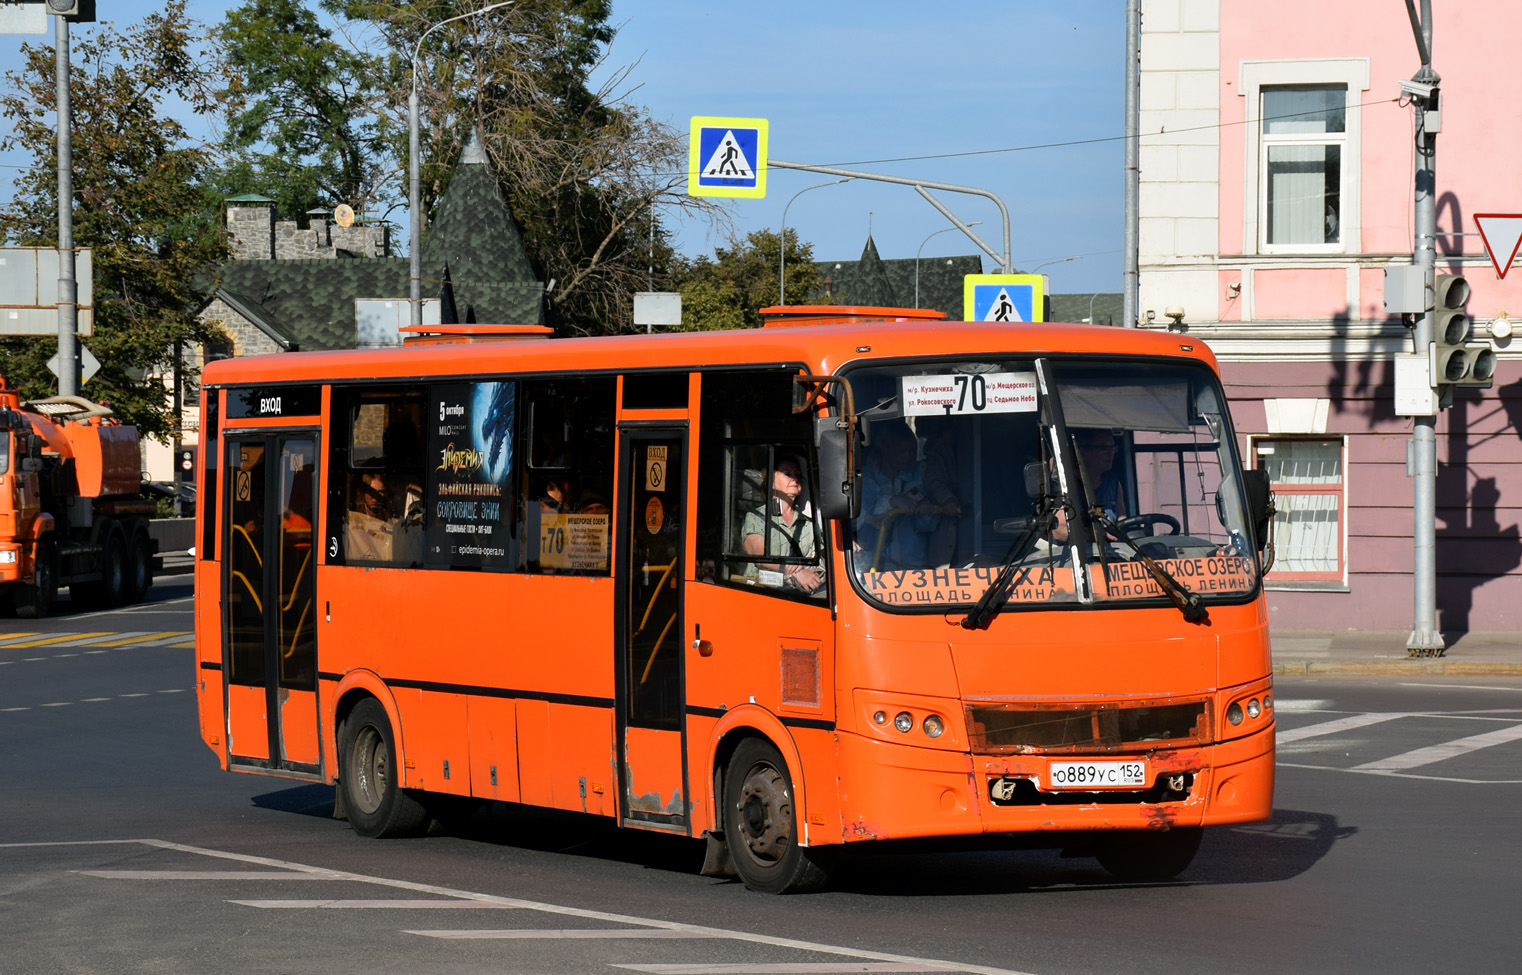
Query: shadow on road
point(1286, 846)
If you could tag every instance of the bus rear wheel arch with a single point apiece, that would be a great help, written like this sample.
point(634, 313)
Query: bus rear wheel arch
point(369, 776)
point(760, 823)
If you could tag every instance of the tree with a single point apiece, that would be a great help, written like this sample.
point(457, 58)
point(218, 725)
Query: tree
point(729, 290)
point(584, 170)
point(138, 204)
point(300, 114)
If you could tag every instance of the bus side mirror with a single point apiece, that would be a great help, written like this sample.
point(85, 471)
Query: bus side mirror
point(839, 470)
point(1260, 503)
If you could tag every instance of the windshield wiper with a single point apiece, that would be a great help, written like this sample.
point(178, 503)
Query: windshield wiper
point(997, 593)
point(1188, 603)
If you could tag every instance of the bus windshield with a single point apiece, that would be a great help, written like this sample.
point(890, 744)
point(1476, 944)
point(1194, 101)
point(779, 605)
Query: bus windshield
point(1085, 482)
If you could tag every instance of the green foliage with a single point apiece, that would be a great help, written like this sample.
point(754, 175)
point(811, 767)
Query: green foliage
point(299, 112)
point(138, 204)
point(729, 290)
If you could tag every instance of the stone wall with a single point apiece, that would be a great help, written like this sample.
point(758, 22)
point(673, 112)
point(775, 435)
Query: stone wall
point(247, 339)
point(255, 235)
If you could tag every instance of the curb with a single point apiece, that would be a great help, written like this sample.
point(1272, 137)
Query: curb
point(1430, 667)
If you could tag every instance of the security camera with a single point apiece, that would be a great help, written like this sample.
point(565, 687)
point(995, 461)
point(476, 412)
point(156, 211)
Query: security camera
point(1418, 89)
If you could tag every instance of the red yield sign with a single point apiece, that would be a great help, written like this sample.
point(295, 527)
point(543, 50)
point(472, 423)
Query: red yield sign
point(1502, 233)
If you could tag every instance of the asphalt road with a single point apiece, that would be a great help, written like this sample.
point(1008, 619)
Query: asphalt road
point(123, 848)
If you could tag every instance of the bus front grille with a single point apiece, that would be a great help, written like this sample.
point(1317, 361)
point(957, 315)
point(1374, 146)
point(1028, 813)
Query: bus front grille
point(1002, 729)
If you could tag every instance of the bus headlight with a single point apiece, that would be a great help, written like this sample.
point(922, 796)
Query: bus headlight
point(1234, 713)
point(1253, 710)
point(8, 558)
point(903, 721)
point(933, 725)
point(880, 717)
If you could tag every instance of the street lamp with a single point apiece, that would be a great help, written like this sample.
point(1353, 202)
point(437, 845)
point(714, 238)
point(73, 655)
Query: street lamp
point(1060, 260)
point(415, 186)
point(917, 257)
point(782, 238)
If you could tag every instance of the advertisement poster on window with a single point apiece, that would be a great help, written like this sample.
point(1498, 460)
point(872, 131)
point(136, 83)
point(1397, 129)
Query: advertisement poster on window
point(470, 446)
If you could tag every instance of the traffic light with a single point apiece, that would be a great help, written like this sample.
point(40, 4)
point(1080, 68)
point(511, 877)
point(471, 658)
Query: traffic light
point(1457, 361)
point(79, 11)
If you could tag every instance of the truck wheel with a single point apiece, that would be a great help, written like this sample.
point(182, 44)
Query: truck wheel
point(113, 573)
point(761, 824)
point(35, 601)
point(368, 774)
point(139, 567)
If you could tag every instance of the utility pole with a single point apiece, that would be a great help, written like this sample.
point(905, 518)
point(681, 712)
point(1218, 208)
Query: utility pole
point(68, 287)
point(1425, 639)
point(1131, 235)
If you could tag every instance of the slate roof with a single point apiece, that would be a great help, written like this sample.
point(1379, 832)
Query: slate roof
point(1106, 307)
point(890, 283)
point(309, 304)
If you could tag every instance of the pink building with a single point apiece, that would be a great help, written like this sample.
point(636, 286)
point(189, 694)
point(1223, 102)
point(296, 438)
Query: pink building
point(1277, 161)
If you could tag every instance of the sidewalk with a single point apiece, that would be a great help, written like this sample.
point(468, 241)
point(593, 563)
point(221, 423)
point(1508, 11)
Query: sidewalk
point(1371, 653)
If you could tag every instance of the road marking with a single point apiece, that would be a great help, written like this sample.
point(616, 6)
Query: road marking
point(207, 875)
point(923, 964)
point(188, 645)
point(8, 710)
point(5, 640)
point(92, 700)
point(56, 704)
point(1401, 775)
point(1337, 725)
point(134, 694)
point(377, 905)
point(807, 968)
point(1460, 687)
point(139, 608)
point(139, 636)
point(1437, 753)
point(567, 934)
point(67, 638)
point(1280, 704)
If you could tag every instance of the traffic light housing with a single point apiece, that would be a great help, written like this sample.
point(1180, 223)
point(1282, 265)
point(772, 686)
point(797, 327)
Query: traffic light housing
point(1456, 360)
point(79, 11)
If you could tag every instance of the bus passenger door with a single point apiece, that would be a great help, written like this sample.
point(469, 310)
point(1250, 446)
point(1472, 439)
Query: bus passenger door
point(269, 592)
point(653, 519)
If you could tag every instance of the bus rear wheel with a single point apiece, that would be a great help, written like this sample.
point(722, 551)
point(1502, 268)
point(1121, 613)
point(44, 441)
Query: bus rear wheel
point(376, 805)
point(761, 824)
point(1149, 857)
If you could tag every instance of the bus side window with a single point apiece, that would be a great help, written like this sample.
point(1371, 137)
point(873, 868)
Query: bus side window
point(756, 527)
point(377, 477)
point(566, 483)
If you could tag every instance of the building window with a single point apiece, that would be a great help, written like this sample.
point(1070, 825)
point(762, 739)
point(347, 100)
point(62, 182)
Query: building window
point(1304, 132)
point(1302, 150)
point(1307, 478)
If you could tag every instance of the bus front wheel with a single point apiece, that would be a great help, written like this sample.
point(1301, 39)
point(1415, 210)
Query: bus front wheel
point(1149, 856)
point(761, 824)
point(376, 805)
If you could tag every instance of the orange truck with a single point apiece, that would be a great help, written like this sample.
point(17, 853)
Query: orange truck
point(70, 514)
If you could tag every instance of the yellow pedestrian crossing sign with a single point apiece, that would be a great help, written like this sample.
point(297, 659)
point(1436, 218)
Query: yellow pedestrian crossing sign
point(727, 157)
point(1003, 298)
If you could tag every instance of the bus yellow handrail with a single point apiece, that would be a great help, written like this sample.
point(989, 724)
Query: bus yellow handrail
point(249, 586)
point(296, 585)
point(248, 538)
point(656, 649)
point(656, 593)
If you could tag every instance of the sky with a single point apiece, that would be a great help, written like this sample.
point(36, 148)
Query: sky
point(982, 96)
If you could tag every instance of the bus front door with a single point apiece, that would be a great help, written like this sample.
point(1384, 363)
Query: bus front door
point(653, 518)
point(269, 568)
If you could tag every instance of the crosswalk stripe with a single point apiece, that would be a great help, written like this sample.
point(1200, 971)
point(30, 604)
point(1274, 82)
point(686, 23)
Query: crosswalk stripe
point(67, 639)
point(567, 934)
point(126, 639)
point(1437, 753)
point(380, 905)
point(5, 640)
point(1336, 726)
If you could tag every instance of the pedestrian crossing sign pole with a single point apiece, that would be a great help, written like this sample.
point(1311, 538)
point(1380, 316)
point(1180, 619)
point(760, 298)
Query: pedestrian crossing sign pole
point(727, 157)
point(1003, 298)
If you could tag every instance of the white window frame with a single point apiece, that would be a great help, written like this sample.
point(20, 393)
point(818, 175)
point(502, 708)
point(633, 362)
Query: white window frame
point(1253, 77)
point(1280, 578)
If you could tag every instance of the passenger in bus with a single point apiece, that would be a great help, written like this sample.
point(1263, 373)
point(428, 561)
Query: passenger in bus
point(784, 528)
point(897, 518)
point(1096, 451)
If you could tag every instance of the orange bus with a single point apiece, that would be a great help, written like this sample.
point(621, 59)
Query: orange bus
point(785, 589)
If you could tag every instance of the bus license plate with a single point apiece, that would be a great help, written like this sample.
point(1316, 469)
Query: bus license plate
point(1098, 775)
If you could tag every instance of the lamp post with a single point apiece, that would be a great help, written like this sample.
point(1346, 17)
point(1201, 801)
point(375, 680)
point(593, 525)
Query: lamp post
point(782, 238)
point(414, 178)
point(917, 257)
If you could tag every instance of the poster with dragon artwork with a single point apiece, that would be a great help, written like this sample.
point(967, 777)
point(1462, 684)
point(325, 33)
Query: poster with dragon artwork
point(471, 456)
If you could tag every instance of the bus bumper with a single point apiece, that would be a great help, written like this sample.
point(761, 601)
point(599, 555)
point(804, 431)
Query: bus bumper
point(906, 792)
